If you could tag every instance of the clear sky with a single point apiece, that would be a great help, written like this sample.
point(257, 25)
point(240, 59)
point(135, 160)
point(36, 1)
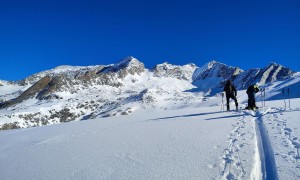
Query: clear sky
point(40, 35)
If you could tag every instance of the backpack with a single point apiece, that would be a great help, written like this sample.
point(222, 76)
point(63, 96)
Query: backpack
point(228, 89)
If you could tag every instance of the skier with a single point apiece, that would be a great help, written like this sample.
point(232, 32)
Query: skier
point(230, 92)
point(252, 89)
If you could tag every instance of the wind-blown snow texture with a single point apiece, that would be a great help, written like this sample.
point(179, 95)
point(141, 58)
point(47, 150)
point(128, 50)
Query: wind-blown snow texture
point(192, 143)
point(159, 123)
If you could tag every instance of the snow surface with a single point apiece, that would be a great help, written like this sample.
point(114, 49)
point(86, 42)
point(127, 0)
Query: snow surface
point(9, 91)
point(283, 128)
point(192, 143)
point(171, 132)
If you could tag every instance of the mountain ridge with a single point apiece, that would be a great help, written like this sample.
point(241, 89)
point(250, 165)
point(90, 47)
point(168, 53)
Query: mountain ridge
point(68, 93)
point(68, 69)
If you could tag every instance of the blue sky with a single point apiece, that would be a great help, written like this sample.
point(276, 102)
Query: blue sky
point(40, 35)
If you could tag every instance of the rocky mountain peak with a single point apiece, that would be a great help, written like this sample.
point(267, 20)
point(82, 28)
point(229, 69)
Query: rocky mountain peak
point(211, 64)
point(274, 72)
point(268, 74)
point(128, 61)
point(215, 69)
point(184, 72)
point(274, 64)
point(127, 65)
point(214, 64)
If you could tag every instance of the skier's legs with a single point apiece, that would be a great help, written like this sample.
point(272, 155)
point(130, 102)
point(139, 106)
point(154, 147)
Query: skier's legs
point(234, 98)
point(235, 101)
point(227, 101)
point(228, 96)
point(251, 101)
point(254, 103)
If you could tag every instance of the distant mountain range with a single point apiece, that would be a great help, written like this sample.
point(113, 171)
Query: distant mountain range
point(68, 93)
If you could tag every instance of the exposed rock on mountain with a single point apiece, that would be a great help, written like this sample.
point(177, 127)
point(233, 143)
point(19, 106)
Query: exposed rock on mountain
point(70, 71)
point(180, 72)
point(30, 92)
point(215, 69)
point(68, 93)
point(213, 75)
point(129, 65)
point(271, 73)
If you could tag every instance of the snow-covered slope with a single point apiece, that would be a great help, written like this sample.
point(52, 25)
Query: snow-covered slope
point(69, 93)
point(188, 143)
point(158, 125)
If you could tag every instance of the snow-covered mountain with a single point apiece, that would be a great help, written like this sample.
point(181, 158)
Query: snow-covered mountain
point(213, 75)
point(69, 93)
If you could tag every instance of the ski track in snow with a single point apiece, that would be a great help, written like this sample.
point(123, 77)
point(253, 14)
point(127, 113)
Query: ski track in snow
point(264, 167)
point(268, 165)
point(233, 167)
point(248, 152)
point(235, 162)
point(285, 137)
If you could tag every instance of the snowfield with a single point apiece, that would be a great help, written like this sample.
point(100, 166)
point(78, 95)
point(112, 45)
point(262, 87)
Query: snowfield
point(128, 122)
point(283, 128)
point(200, 142)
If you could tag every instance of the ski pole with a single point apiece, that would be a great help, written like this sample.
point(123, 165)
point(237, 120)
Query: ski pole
point(222, 105)
point(261, 98)
point(288, 91)
point(223, 101)
point(264, 97)
point(284, 98)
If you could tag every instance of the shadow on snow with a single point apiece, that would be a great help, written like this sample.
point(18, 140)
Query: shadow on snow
point(199, 114)
point(224, 117)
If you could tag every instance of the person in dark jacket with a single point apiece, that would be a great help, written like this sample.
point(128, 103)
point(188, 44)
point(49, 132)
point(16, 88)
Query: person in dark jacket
point(230, 92)
point(252, 89)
